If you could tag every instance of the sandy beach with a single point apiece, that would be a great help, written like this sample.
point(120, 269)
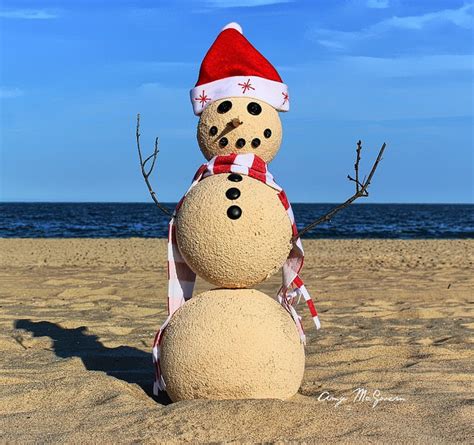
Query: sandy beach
point(78, 319)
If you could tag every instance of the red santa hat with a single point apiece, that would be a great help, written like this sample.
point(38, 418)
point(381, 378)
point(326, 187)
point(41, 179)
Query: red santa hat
point(234, 68)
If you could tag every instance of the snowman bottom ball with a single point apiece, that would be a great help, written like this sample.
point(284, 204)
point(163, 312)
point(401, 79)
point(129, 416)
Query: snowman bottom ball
point(233, 230)
point(231, 344)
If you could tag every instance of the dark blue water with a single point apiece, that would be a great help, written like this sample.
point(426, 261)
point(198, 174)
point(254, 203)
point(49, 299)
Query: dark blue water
point(118, 220)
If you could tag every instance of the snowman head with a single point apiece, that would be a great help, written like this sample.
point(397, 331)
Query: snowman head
point(238, 96)
point(239, 125)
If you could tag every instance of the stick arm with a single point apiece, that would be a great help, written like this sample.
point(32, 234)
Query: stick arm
point(361, 191)
point(146, 174)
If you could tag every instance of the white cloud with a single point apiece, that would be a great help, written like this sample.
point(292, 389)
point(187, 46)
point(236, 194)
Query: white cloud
point(385, 88)
point(377, 4)
point(330, 44)
point(335, 39)
point(151, 87)
point(243, 3)
point(7, 93)
point(460, 17)
point(160, 65)
point(28, 14)
point(391, 67)
point(156, 89)
point(408, 66)
point(142, 68)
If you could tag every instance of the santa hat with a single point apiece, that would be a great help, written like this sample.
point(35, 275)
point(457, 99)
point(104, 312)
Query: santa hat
point(234, 68)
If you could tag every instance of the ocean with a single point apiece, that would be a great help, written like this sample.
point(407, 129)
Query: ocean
point(125, 220)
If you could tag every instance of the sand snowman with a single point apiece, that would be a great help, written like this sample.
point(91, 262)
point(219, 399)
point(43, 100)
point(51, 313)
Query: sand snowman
point(234, 228)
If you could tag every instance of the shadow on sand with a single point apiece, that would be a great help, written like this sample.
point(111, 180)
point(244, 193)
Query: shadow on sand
point(124, 362)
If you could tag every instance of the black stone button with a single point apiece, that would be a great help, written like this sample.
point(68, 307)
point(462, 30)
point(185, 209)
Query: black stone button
point(254, 108)
point(232, 193)
point(234, 177)
point(255, 142)
point(234, 212)
point(240, 143)
point(224, 107)
point(213, 131)
point(223, 142)
point(267, 133)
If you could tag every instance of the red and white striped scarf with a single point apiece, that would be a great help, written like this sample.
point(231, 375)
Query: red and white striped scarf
point(181, 278)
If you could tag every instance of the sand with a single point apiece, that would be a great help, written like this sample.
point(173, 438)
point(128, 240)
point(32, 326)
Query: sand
point(78, 319)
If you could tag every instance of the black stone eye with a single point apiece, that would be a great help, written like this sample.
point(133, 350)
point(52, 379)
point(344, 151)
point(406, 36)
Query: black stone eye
point(213, 131)
point(224, 107)
point(234, 177)
point(240, 143)
point(223, 142)
point(234, 212)
point(232, 193)
point(254, 108)
point(267, 133)
point(255, 142)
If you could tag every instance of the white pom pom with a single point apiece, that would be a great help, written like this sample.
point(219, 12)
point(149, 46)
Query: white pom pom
point(233, 25)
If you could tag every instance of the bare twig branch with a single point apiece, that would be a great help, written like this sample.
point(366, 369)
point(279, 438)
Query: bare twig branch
point(358, 184)
point(374, 167)
point(146, 174)
point(148, 158)
point(356, 165)
point(356, 168)
point(361, 190)
point(155, 155)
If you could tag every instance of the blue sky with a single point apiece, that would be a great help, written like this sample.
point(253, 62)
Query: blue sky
point(75, 73)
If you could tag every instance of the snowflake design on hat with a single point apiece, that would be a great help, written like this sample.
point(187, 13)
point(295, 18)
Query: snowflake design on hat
point(246, 86)
point(286, 97)
point(203, 98)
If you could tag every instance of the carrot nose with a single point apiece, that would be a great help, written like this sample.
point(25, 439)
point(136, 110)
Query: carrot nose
point(236, 122)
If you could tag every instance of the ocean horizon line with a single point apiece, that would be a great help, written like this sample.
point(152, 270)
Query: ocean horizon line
point(142, 219)
point(293, 202)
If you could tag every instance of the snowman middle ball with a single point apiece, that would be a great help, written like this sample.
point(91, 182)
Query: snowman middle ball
point(233, 231)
